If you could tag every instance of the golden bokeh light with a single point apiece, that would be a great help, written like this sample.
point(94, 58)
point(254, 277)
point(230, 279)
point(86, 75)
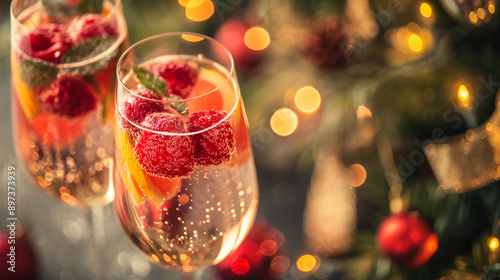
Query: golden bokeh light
point(268, 247)
point(199, 10)
point(493, 243)
point(473, 17)
point(284, 122)
point(191, 38)
point(415, 43)
point(257, 38)
point(307, 99)
point(357, 174)
point(481, 13)
point(491, 8)
point(183, 3)
point(307, 263)
point(426, 10)
point(363, 112)
point(464, 96)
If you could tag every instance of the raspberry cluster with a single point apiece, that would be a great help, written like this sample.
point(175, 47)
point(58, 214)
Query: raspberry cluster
point(168, 147)
point(67, 95)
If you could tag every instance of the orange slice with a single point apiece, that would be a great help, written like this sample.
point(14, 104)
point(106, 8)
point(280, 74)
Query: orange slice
point(133, 188)
point(25, 94)
point(155, 188)
point(221, 99)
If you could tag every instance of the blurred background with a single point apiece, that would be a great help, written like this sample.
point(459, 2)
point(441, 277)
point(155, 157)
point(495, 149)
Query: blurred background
point(374, 126)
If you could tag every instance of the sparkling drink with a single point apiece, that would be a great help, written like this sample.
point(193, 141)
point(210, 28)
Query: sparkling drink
point(63, 61)
point(185, 179)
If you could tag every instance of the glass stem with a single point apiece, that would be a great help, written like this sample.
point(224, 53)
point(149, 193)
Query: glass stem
point(194, 275)
point(98, 256)
point(97, 218)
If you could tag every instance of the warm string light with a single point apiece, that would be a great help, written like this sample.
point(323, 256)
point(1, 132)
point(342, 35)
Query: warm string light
point(473, 17)
point(191, 38)
point(284, 122)
point(425, 10)
point(493, 243)
point(198, 10)
point(412, 40)
point(183, 3)
point(464, 96)
point(307, 263)
point(415, 43)
point(257, 38)
point(357, 174)
point(307, 99)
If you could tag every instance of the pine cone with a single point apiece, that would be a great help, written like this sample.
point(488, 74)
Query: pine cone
point(326, 42)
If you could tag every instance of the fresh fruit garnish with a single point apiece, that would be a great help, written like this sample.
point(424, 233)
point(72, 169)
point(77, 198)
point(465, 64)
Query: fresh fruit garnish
point(155, 188)
point(158, 86)
point(93, 26)
point(215, 145)
point(47, 42)
point(127, 153)
point(68, 96)
point(89, 49)
point(179, 75)
point(37, 73)
point(25, 94)
point(57, 131)
point(150, 81)
point(128, 180)
point(163, 189)
point(162, 155)
point(137, 106)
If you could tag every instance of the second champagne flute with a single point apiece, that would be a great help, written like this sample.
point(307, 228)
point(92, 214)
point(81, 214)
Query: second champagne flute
point(63, 61)
point(186, 187)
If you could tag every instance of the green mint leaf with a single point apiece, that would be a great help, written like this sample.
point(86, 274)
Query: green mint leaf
point(159, 86)
point(90, 6)
point(37, 73)
point(150, 81)
point(87, 50)
point(180, 106)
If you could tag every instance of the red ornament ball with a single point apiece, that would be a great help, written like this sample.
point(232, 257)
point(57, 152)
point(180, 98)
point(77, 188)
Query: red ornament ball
point(407, 240)
point(16, 252)
point(262, 255)
point(232, 35)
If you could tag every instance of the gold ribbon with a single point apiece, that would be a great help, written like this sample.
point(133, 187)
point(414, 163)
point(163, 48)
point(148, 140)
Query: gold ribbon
point(469, 161)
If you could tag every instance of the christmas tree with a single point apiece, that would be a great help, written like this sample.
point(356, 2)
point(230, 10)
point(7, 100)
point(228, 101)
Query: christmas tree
point(390, 108)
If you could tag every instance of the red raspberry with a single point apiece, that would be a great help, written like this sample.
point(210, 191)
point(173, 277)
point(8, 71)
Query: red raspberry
point(214, 146)
point(136, 106)
point(163, 155)
point(179, 75)
point(93, 25)
point(68, 96)
point(47, 41)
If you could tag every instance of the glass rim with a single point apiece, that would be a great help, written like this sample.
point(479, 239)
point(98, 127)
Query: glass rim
point(113, 12)
point(174, 34)
point(227, 79)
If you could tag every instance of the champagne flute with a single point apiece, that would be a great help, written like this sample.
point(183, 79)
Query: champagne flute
point(185, 180)
point(63, 61)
